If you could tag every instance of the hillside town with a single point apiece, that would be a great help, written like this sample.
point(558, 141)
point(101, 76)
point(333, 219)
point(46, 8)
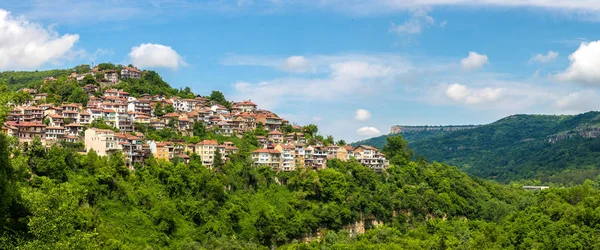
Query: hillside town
point(112, 119)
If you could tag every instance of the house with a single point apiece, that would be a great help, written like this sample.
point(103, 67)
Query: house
point(267, 157)
point(25, 131)
point(206, 150)
point(270, 121)
point(33, 114)
point(85, 118)
point(371, 157)
point(350, 150)
point(275, 137)
point(55, 133)
point(74, 129)
point(315, 157)
point(101, 140)
point(337, 152)
point(288, 156)
point(245, 106)
point(111, 76)
point(143, 119)
point(110, 117)
point(56, 120)
point(130, 72)
point(224, 128)
point(159, 150)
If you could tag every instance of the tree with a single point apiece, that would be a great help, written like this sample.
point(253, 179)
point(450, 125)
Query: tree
point(218, 160)
point(341, 143)
point(396, 149)
point(82, 69)
point(90, 79)
point(329, 140)
point(199, 129)
point(169, 108)
point(8, 190)
point(218, 97)
point(78, 96)
point(310, 129)
point(158, 109)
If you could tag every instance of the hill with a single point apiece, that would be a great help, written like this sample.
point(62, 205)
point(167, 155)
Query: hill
point(551, 148)
point(409, 136)
point(60, 199)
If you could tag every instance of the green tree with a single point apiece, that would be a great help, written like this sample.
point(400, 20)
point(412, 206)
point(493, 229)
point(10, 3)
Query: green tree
point(341, 143)
point(159, 110)
point(199, 129)
point(396, 149)
point(82, 69)
point(310, 130)
point(218, 160)
point(90, 79)
point(169, 108)
point(78, 96)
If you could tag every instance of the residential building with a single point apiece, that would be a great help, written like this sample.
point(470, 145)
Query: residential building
point(371, 157)
point(101, 140)
point(130, 72)
point(267, 157)
point(288, 159)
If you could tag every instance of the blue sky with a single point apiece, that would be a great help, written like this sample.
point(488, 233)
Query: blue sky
point(353, 67)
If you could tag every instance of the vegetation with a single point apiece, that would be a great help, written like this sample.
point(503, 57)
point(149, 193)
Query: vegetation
point(516, 148)
point(62, 199)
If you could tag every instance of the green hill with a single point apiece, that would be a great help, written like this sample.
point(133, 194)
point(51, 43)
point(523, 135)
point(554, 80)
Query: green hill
point(410, 137)
point(517, 147)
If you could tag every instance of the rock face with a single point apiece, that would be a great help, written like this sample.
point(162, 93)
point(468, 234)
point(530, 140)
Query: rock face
point(400, 128)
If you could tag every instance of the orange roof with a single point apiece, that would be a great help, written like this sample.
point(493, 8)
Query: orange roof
point(171, 115)
point(275, 133)
point(208, 142)
point(108, 111)
point(264, 150)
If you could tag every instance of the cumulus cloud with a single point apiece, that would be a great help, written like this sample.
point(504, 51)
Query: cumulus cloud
point(26, 45)
point(419, 19)
point(585, 62)
point(296, 64)
point(541, 58)
point(368, 132)
point(463, 94)
point(149, 55)
point(362, 115)
point(578, 102)
point(473, 61)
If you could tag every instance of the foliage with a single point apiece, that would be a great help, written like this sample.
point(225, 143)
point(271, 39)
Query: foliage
point(516, 148)
point(85, 201)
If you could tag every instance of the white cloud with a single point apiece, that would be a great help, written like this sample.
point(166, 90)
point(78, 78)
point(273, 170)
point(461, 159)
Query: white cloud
point(368, 132)
point(316, 119)
point(577, 102)
point(585, 62)
point(362, 115)
point(463, 94)
point(541, 58)
point(474, 61)
point(341, 76)
point(296, 64)
point(419, 19)
point(149, 55)
point(26, 45)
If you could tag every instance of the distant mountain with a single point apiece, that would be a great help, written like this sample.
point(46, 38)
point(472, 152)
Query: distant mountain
point(551, 148)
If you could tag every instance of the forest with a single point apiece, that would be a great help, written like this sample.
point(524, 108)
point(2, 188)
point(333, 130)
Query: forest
point(61, 199)
point(515, 148)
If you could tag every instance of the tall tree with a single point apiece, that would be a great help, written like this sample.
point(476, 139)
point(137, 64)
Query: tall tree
point(7, 187)
point(396, 149)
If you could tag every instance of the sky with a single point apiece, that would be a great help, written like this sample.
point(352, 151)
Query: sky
point(353, 67)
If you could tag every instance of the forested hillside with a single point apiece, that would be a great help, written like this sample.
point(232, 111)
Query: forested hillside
point(518, 147)
point(60, 199)
point(410, 137)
